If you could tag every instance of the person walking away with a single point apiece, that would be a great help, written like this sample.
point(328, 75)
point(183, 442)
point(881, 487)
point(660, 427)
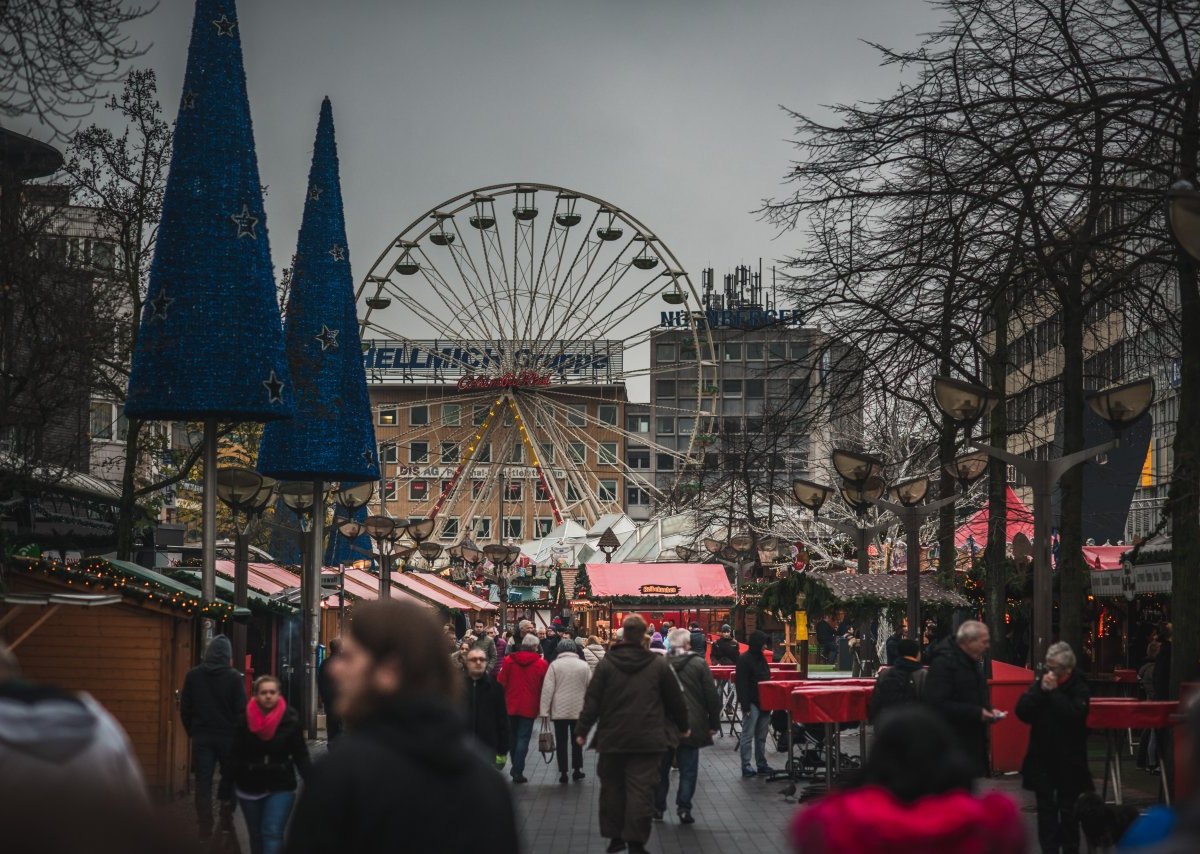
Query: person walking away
point(501, 641)
point(268, 749)
point(328, 693)
point(594, 652)
point(406, 765)
point(891, 647)
point(1056, 764)
point(899, 683)
point(725, 649)
point(956, 687)
point(1147, 755)
point(563, 691)
point(912, 794)
point(704, 719)
point(752, 668)
point(212, 699)
point(699, 643)
point(484, 641)
point(522, 677)
point(484, 708)
point(657, 644)
point(637, 707)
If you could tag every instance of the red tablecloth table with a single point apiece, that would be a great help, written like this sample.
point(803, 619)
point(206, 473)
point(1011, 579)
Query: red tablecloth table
point(830, 705)
point(1113, 714)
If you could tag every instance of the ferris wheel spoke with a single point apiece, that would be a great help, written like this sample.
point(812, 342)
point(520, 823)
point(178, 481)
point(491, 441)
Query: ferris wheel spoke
point(589, 306)
point(556, 236)
point(563, 277)
point(459, 251)
point(446, 293)
point(629, 308)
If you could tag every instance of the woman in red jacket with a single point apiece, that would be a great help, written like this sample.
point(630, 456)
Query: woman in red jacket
point(522, 676)
point(913, 794)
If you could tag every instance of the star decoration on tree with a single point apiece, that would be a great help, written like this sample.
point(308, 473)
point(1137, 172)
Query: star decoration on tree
point(328, 338)
point(337, 253)
point(225, 27)
point(189, 100)
point(159, 306)
point(274, 386)
point(246, 223)
point(368, 457)
point(314, 192)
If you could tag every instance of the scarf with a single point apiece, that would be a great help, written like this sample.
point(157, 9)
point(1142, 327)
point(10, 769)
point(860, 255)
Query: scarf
point(263, 724)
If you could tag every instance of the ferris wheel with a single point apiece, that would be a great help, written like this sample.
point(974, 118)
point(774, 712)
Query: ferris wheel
point(531, 310)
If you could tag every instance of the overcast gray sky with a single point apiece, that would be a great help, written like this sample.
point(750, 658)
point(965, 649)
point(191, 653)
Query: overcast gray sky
point(667, 108)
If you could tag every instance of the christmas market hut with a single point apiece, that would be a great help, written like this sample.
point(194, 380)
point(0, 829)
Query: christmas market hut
point(605, 593)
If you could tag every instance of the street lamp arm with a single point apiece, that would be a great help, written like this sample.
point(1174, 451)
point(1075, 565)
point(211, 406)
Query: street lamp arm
point(1062, 465)
point(1020, 463)
point(920, 511)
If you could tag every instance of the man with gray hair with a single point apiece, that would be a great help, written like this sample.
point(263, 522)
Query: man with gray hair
point(1056, 766)
point(957, 689)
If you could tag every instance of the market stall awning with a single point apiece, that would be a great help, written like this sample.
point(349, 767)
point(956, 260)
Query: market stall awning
point(1104, 557)
point(848, 587)
point(679, 580)
point(1019, 521)
point(469, 601)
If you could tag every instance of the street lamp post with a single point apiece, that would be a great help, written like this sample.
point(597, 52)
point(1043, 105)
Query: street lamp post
point(965, 403)
point(380, 528)
point(307, 501)
point(244, 491)
point(503, 557)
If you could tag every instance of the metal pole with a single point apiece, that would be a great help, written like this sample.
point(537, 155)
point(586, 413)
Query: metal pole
point(208, 563)
point(1043, 593)
point(912, 544)
point(241, 571)
point(861, 538)
point(312, 617)
point(385, 571)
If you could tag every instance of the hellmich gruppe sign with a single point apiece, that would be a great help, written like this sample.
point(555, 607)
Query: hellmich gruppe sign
point(518, 363)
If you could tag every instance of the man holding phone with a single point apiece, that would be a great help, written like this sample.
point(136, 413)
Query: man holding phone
point(957, 689)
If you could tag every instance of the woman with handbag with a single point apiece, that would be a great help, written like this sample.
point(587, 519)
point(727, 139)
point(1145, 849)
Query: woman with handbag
point(562, 701)
point(268, 749)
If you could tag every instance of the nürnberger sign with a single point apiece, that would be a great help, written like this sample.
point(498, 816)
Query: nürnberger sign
point(659, 589)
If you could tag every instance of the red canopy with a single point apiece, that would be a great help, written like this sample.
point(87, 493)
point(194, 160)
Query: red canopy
point(1104, 557)
point(652, 580)
point(1020, 521)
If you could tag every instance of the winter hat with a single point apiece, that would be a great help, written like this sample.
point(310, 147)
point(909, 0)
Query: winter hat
point(530, 642)
point(220, 651)
point(656, 642)
point(726, 628)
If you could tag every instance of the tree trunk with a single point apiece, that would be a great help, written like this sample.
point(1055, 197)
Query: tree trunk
point(127, 505)
point(1071, 579)
point(995, 559)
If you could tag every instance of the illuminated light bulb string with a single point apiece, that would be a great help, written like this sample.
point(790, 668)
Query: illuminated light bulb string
point(533, 455)
point(452, 484)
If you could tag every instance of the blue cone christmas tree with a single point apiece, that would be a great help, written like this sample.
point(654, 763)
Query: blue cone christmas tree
point(210, 343)
point(332, 437)
point(340, 550)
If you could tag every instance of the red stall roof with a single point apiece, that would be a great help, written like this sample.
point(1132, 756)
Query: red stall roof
point(469, 600)
point(658, 579)
point(409, 582)
point(1020, 521)
point(1104, 557)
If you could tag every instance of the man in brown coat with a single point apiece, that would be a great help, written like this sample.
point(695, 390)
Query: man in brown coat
point(639, 711)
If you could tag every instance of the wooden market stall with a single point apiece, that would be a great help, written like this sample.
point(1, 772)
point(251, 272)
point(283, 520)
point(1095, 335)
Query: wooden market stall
point(605, 593)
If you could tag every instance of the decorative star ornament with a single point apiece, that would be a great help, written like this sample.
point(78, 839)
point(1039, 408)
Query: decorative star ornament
point(246, 223)
point(328, 338)
point(159, 306)
point(225, 27)
point(274, 386)
point(189, 100)
point(337, 253)
point(368, 457)
point(315, 192)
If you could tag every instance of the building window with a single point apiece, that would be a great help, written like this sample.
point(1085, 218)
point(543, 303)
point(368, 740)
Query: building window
point(452, 414)
point(754, 351)
point(664, 352)
point(540, 492)
point(543, 527)
point(731, 388)
point(418, 490)
point(754, 389)
point(514, 490)
point(509, 419)
point(449, 453)
point(479, 415)
point(606, 454)
point(418, 416)
point(637, 497)
point(608, 413)
point(606, 490)
point(108, 421)
point(577, 451)
point(638, 459)
point(418, 452)
point(577, 414)
point(450, 529)
point(573, 495)
point(483, 454)
point(483, 528)
point(389, 490)
point(512, 527)
point(733, 351)
point(664, 462)
point(777, 351)
point(665, 425)
point(686, 426)
point(476, 489)
point(637, 423)
point(516, 454)
point(547, 452)
point(799, 350)
point(664, 388)
point(389, 417)
point(445, 487)
point(389, 453)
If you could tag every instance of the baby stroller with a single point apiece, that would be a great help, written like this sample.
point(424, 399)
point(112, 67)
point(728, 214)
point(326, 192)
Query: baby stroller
point(808, 747)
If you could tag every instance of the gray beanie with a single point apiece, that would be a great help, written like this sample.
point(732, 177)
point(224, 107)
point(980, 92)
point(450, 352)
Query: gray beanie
point(530, 642)
point(220, 651)
point(565, 645)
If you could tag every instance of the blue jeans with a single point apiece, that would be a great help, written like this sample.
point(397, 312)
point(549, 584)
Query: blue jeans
point(755, 724)
point(688, 760)
point(266, 820)
point(522, 731)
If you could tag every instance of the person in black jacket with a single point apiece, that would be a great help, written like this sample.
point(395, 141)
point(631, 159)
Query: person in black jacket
point(891, 647)
point(897, 684)
point(483, 705)
point(327, 692)
point(213, 697)
point(406, 765)
point(957, 689)
point(268, 749)
point(752, 668)
point(1056, 767)
point(725, 649)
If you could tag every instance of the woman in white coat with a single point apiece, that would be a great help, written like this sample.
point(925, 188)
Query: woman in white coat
point(562, 700)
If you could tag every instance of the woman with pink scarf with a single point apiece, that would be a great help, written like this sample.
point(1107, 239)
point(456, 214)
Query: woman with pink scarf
point(268, 749)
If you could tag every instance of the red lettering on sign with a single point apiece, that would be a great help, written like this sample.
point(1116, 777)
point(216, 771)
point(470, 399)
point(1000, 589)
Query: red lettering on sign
point(511, 379)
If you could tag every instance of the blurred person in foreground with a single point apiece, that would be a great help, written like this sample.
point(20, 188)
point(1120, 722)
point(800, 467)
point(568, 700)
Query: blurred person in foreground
point(913, 794)
point(637, 706)
point(406, 766)
point(1056, 765)
point(957, 689)
point(704, 719)
point(268, 749)
point(900, 682)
